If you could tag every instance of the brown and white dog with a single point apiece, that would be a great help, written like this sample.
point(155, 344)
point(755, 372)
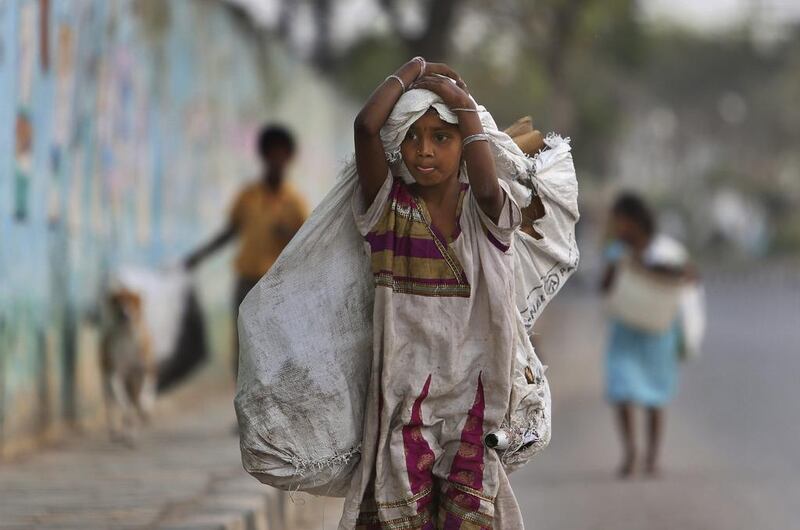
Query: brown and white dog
point(127, 366)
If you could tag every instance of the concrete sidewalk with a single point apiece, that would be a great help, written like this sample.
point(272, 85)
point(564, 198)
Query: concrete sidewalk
point(184, 473)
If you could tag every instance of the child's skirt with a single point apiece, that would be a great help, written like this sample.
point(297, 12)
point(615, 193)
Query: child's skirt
point(641, 367)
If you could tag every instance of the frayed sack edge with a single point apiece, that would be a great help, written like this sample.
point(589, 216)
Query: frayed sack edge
point(303, 466)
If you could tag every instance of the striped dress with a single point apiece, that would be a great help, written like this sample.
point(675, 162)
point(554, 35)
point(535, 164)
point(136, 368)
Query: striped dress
point(444, 332)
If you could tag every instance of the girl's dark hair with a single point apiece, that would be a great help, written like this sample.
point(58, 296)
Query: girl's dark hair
point(635, 208)
point(274, 136)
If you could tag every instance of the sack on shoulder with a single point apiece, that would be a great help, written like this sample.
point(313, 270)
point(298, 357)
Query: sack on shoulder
point(642, 299)
point(306, 334)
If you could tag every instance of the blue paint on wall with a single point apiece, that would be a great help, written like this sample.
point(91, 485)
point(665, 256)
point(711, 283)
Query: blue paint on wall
point(129, 129)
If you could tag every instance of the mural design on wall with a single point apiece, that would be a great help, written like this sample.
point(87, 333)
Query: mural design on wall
point(22, 150)
point(127, 132)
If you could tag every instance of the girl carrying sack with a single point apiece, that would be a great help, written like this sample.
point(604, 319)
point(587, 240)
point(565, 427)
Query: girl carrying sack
point(382, 349)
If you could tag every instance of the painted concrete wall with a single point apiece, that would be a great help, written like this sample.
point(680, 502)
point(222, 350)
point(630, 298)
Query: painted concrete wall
point(125, 129)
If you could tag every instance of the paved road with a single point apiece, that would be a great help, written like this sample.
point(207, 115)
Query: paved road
point(731, 451)
point(731, 458)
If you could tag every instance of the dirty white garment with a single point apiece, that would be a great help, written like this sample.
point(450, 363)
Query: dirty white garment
point(306, 329)
point(445, 328)
point(507, 515)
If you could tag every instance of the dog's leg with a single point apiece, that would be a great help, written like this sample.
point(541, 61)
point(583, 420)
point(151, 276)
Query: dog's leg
point(147, 397)
point(107, 374)
point(112, 408)
point(125, 407)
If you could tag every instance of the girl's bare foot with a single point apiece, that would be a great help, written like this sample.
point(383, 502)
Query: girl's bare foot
point(655, 429)
point(625, 421)
point(652, 469)
point(628, 467)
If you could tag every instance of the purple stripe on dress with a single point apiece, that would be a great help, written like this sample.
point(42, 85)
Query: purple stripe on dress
point(467, 466)
point(493, 240)
point(410, 247)
point(419, 455)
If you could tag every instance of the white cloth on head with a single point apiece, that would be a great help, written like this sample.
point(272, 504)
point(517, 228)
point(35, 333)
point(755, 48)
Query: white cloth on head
point(513, 165)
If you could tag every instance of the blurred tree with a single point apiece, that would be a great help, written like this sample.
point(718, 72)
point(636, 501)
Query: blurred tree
point(323, 55)
point(431, 40)
point(672, 112)
point(738, 125)
point(566, 51)
point(438, 23)
point(572, 60)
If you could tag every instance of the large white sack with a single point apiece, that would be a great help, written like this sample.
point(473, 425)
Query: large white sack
point(544, 265)
point(306, 345)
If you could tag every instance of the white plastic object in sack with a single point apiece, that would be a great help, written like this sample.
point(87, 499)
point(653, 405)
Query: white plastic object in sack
point(642, 300)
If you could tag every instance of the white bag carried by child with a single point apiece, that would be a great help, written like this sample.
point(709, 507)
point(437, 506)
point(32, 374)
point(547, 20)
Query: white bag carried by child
point(305, 329)
point(643, 300)
point(653, 302)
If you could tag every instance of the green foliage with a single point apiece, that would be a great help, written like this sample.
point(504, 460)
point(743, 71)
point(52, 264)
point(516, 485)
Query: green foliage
point(560, 61)
point(612, 31)
point(367, 63)
point(589, 68)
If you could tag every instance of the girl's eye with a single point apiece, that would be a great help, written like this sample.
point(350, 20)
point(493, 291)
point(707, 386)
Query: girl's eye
point(441, 137)
point(411, 135)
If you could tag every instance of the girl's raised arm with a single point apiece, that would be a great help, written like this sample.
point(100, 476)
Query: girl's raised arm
point(370, 157)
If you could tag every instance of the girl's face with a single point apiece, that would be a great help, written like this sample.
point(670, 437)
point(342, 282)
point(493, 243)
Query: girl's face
point(627, 230)
point(432, 150)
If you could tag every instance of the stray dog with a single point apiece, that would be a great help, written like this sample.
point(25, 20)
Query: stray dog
point(127, 366)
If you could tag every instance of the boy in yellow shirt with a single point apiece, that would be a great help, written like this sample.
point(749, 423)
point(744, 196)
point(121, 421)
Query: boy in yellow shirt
point(264, 217)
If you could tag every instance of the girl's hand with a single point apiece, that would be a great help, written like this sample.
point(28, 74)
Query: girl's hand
point(432, 69)
point(417, 68)
point(454, 94)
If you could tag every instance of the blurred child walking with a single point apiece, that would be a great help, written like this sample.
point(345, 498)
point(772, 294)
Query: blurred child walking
point(644, 278)
point(264, 217)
